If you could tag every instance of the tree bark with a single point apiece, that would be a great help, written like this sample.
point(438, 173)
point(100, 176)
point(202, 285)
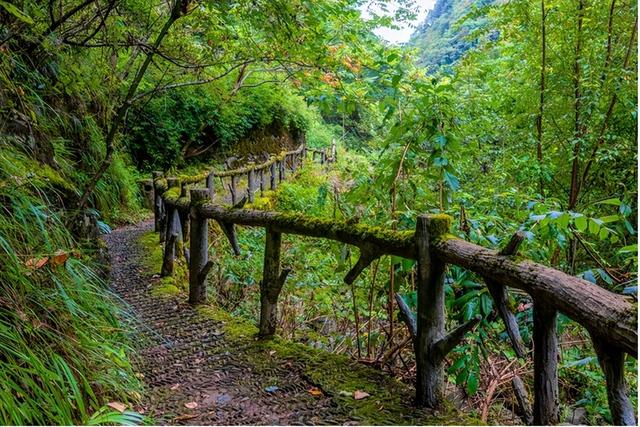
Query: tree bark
point(612, 364)
point(545, 365)
point(198, 250)
point(271, 284)
point(431, 320)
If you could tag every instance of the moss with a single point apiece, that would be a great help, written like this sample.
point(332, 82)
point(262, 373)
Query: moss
point(152, 250)
point(439, 224)
point(152, 260)
point(338, 376)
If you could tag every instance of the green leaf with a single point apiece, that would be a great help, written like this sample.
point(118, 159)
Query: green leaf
point(593, 226)
point(581, 223)
point(12, 9)
point(452, 181)
point(563, 221)
point(486, 304)
point(614, 202)
point(472, 383)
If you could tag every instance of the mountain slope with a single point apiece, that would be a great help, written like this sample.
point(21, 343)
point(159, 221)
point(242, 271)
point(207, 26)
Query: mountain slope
point(442, 37)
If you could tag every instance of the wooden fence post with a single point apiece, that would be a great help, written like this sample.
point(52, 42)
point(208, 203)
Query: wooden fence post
point(250, 184)
point(293, 162)
point(281, 168)
point(157, 201)
point(611, 361)
point(261, 173)
point(271, 284)
point(184, 217)
point(211, 184)
point(272, 181)
point(545, 365)
point(199, 264)
point(430, 312)
point(323, 156)
point(232, 189)
point(432, 344)
point(171, 234)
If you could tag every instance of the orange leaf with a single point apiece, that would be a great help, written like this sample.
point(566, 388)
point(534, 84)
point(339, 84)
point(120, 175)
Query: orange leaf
point(35, 263)
point(120, 407)
point(59, 258)
point(315, 391)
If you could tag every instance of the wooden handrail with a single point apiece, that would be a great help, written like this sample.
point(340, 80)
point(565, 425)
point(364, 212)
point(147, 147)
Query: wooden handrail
point(591, 306)
point(610, 319)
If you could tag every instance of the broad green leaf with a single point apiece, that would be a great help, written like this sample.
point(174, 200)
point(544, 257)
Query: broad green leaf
point(581, 223)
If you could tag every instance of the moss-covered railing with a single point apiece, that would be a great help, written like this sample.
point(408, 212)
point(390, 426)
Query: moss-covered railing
point(610, 319)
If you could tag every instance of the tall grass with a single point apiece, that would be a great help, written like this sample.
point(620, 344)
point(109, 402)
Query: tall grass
point(63, 353)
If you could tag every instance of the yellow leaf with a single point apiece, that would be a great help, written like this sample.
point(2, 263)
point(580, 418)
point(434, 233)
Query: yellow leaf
point(315, 391)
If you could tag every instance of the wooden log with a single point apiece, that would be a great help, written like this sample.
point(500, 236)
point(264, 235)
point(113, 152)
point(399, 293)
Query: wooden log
point(272, 178)
point(431, 311)
point(169, 256)
point(157, 201)
point(500, 295)
point(261, 175)
point(612, 363)
point(368, 253)
point(447, 343)
point(230, 231)
point(183, 214)
point(281, 170)
point(407, 316)
point(385, 241)
point(211, 184)
point(198, 248)
point(545, 365)
point(166, 222)
point(250, 185)
point(271, 284)
point(232, 189)
point(591, 306)
point(522, 398)
point(594, 307)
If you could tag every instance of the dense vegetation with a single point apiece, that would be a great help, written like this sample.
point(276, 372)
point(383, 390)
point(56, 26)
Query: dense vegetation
point(448, 32)
point(530, 124)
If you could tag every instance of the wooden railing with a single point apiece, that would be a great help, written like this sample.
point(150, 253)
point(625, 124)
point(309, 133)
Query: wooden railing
point(610, 319)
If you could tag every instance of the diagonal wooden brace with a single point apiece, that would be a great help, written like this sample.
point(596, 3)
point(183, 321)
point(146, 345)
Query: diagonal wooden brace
point(368, 253)
point(408, 316)
point(230, 231)
point(445, 345)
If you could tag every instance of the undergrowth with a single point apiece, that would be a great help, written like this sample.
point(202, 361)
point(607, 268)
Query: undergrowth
point(63, 353)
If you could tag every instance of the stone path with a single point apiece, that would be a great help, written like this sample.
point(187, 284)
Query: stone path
point(195, 373)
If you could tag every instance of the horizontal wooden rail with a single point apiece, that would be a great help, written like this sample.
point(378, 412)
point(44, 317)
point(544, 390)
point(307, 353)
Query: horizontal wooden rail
point(610, 319)
point(595, 308)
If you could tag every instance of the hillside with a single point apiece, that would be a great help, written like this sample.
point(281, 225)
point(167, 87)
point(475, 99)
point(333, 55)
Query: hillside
point(443, 37)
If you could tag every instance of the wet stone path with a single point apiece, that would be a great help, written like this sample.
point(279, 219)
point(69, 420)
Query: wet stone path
point(192, 375)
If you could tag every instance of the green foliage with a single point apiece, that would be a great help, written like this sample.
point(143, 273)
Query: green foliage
point(447, 32)
point(65, 354)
